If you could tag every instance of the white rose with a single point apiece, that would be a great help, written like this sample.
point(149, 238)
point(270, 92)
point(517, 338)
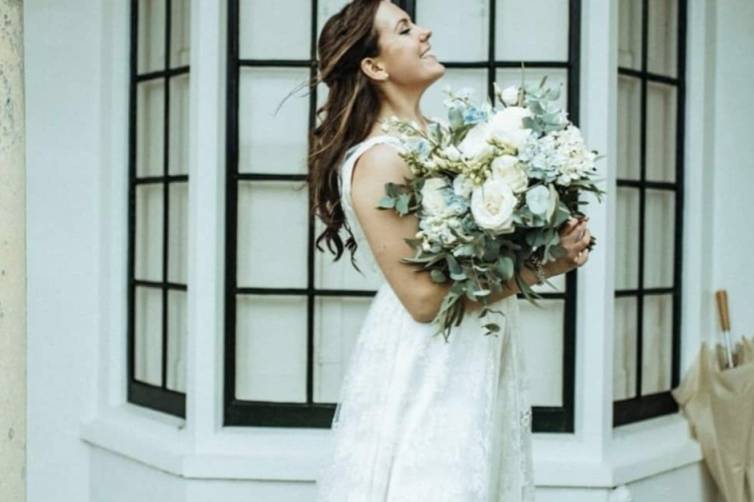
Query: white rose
point(492, 205)
point(542, 200)
point(507, 168)
point(510, 95)
point(507, 125)
point(475, 143)
point(463, 186)
point(433, 200)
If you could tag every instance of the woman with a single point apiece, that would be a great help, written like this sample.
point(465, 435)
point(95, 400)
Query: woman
point(417, 418)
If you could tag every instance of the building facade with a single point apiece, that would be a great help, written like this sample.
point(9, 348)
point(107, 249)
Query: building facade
point(184, 345)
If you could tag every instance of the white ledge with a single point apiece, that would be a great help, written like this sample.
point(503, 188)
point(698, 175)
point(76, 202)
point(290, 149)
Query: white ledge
point(637, 451)
point(263, 453)
point(651, 447)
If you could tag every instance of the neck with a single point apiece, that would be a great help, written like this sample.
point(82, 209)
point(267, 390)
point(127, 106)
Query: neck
point(405, 107)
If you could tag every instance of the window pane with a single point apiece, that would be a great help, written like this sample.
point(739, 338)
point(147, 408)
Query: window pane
point(270, 143)
point(148, 335)
point(460, 29)
point(178, 233)
point(150, 124)
point(661, 131)
point(177, 332)
point(629, 128)
point(149, 232)
point(629, 34)
point(627, 238)
point(659, 238)
point(337, 325)
point(283, 25)
point(556, 78)
point(179, 124)
point(341, 274)
point(662, 44)
point(531, 30)
point(272, 250)
point(543, 345)
point(271, 348)
point(457, 79)
point(180, 33)
point(624, 350)
point(657, 353)
point(151, 43)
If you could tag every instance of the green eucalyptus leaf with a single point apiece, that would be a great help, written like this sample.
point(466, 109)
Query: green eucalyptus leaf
point(401, 204)
point(460, 276)
point(491, 250)
point(453, 266)
point(391, 189)
point(464, 250)
point(386, 202)
point(438, 276)
point(504, 266)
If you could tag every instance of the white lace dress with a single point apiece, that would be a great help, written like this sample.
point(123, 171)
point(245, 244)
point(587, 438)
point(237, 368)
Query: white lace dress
point(422, 420)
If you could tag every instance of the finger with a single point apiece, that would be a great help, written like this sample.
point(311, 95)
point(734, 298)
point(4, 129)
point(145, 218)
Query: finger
point(576, 235)
point(583, 243)
point(582, 257)
point(579, 226)
point(568, 226)
point(587, 237)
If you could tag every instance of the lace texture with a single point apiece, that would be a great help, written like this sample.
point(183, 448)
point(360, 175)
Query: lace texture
point(421, 419)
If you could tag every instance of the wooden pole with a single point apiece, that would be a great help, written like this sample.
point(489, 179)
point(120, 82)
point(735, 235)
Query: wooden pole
point(12, 255)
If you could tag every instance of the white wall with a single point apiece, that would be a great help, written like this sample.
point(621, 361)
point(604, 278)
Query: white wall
point(68, 166)
point(733, 163)
point(62, 44)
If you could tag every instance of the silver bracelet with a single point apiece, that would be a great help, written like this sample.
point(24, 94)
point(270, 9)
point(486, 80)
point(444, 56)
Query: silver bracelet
point(539, 271)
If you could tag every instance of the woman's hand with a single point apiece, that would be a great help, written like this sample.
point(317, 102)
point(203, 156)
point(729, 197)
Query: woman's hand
point(574, 238)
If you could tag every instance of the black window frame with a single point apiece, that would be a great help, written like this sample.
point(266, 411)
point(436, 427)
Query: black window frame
point(319, 415)
point(159, 398)
point(642, 407)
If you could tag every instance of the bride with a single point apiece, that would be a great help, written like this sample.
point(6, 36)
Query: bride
point(418, 418)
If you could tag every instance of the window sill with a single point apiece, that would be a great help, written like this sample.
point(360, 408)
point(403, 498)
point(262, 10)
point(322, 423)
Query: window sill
point(653, 446)
point(155, 439)
point(638, 450)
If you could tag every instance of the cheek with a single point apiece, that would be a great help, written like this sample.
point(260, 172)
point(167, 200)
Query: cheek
point(404, 64)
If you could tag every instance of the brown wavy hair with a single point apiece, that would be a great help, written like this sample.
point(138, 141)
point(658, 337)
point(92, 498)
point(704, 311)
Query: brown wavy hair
point(346, 118)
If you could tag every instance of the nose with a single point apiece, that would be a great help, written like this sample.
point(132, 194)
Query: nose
point(426, 33)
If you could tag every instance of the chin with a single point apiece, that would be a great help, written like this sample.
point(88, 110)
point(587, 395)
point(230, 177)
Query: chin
point(438, 73)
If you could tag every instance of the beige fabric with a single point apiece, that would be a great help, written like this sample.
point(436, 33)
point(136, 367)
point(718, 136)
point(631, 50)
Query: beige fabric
point(719, 405)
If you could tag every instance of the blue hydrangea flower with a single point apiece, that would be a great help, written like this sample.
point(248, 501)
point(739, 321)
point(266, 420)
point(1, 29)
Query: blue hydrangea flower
point(473, 115)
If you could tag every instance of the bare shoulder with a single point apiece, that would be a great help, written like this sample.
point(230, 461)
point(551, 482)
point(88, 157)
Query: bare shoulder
point(379, 164)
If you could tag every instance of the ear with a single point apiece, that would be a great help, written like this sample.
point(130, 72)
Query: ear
point(373, 69)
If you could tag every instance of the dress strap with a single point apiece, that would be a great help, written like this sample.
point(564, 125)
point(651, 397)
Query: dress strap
point(346, 173)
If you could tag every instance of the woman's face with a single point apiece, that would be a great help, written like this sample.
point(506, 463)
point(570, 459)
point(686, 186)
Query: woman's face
point(405, 53)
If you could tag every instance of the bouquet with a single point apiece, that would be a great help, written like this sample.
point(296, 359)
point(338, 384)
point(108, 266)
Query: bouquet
point(491, 187)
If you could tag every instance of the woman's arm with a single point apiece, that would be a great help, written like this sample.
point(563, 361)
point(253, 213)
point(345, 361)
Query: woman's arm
point(385, 232)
